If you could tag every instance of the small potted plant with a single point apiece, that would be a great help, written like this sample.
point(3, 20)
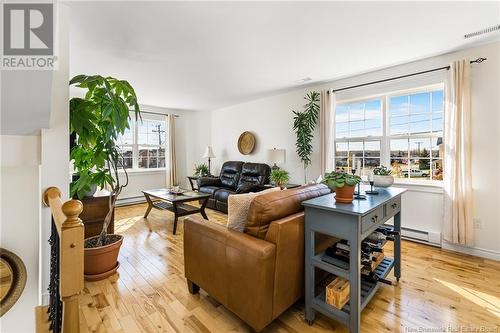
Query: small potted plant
point(280, 177)
point(343, 184)
point(201, 170)
point(382, 176)
point(97, 120)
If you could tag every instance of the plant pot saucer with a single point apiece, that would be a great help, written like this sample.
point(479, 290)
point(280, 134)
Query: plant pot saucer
point(102, 276)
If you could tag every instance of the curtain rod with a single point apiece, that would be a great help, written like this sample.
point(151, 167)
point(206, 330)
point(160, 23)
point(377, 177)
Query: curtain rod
point(160, 114)
point(477, 61)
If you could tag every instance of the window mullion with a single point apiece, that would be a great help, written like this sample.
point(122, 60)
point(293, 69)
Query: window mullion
point(135, 148)
point(384, 143)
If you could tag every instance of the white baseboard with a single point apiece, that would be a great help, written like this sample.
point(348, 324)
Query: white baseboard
point(474, 251)
point(130, 201)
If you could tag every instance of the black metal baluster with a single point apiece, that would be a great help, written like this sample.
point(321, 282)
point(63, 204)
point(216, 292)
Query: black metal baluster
point(55, 304)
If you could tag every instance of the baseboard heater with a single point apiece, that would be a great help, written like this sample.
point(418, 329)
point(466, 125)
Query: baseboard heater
point(430, 238)
point(130, 201)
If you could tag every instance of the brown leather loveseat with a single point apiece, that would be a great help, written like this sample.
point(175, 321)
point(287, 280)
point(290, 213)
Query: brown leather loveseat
point(257, 274)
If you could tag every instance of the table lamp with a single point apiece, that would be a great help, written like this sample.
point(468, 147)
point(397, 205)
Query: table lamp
point(209, 154)
point(276, 156)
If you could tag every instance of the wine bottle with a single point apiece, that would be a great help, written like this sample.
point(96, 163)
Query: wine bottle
point(372, 277)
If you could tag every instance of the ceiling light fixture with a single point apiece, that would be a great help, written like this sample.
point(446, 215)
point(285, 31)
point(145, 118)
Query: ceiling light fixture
point(482, 32)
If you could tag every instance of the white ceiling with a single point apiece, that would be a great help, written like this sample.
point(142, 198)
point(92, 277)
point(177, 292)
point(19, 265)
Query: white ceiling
point(206, 55)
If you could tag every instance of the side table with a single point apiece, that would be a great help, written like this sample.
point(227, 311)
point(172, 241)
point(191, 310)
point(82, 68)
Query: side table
point(193, 182)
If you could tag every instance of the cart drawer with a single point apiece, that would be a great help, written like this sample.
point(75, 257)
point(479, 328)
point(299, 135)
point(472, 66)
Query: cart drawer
point(371, 219)
point(393, 207)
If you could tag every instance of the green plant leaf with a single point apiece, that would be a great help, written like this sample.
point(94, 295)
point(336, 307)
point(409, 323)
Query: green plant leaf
point(280, 176)
point(304, 124)
point(340, 179)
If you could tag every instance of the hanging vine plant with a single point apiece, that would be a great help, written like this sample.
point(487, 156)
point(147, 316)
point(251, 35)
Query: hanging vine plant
point(304, 124)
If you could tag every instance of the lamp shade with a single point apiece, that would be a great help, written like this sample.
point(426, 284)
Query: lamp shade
point(276, 156)
point(209, 153)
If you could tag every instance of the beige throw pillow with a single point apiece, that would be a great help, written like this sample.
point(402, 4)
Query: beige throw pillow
point(237, 208)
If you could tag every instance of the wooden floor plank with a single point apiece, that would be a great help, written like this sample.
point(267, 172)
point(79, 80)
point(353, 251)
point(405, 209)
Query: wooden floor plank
point(149, 293)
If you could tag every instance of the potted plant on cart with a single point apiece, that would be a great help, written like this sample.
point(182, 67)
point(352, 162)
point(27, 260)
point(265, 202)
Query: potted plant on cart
point(343, 184)
point(98, 119)
point(382, 176)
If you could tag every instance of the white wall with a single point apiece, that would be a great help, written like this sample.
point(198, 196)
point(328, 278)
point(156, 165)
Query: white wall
point(29, 165)
point(19, 224)
point(270, 119)
point(20, 150)
point(55, 143)
point(198, 131)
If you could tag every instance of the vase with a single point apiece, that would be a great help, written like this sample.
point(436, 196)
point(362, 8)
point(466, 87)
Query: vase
point(101, 262)
point(93, 190)
point(383, 181)
point(344, 194)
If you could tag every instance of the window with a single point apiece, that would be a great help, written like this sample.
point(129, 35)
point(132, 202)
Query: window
point(404, 131)
point(358, 132)
point(143, 144)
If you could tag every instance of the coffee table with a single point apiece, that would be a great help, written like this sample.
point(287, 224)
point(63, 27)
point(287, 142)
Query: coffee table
point(164, 200)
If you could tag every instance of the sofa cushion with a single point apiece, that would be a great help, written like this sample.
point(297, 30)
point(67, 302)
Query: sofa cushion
point(237, 207)
point(222, 193)
point(230, 174)
point(208, 181)
point(208, 189)
point(254, 173)
point(269, 207)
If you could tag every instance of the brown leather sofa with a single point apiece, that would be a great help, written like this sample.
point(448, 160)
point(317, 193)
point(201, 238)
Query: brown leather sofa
point(257, 274)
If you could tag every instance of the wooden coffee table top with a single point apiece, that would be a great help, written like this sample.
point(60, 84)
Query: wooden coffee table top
point(186, 195)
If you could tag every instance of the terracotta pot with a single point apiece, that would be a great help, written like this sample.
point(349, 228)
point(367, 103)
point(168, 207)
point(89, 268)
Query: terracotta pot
point(344, 194)
point(101, 262)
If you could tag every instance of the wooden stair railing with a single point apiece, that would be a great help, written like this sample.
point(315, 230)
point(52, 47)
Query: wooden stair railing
point(66, 263)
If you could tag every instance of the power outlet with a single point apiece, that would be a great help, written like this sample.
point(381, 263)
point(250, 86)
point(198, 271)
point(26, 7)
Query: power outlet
point(477, 224)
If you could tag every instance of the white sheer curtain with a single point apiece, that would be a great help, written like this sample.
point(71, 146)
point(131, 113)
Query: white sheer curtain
point(327, 130)
point(458, 218)
point(170, 158)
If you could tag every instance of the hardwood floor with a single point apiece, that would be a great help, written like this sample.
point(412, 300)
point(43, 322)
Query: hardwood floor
point(438, 289)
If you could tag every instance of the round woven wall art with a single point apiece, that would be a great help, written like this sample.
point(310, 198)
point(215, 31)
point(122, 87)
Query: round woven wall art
point(13, 279)
point(246, 143)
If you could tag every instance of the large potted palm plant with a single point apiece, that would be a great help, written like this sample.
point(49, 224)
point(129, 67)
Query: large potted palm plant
point(98, 119)
point(304, 123)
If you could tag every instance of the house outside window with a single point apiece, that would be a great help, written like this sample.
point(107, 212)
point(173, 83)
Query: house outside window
point(402, 130)
point(143, 145)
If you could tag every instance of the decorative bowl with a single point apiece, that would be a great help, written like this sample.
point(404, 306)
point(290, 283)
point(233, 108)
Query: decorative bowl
point(383, 181)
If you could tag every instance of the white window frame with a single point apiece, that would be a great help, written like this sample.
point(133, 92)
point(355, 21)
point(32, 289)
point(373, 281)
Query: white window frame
point(378, 138)
point(385, 139)
point(135, 145)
